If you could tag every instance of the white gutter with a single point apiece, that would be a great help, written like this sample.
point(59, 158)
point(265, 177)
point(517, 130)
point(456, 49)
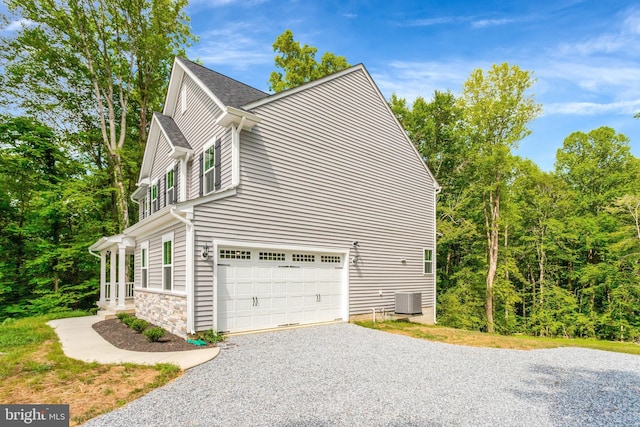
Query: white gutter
point(95, 254)
point(190, 261)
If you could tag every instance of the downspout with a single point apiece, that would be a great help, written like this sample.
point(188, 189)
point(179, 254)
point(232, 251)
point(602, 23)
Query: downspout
point(235, 152)
point(438, 189)
point(189, 281)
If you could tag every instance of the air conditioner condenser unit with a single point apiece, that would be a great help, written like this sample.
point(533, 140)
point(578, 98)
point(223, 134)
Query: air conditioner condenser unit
point(408, 303)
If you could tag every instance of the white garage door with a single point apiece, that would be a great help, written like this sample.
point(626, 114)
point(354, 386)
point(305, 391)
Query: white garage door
point(268, 288)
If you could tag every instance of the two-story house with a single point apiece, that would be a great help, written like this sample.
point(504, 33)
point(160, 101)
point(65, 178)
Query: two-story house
point(258, 210)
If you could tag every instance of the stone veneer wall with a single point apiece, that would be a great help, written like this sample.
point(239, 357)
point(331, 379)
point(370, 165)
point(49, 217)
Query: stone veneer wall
point(165, 310)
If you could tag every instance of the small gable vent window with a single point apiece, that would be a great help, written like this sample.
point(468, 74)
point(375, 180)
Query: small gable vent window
point(303, 257)
point(330, 258)
point(271, 256)
point(428, 261)
point(234, 254)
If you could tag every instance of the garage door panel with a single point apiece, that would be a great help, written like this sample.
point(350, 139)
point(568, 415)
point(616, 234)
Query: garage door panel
point(274, 288)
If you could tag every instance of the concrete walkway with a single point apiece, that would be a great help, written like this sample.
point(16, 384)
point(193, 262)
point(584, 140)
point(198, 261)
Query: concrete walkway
point(80, 341)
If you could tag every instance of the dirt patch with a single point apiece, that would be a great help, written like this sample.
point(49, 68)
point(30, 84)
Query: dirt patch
point(123, 337)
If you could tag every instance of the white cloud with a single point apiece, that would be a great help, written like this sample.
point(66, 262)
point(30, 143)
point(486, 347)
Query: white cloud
point(627, 108)
point(413, 79)
point(427, 22)
point(232, 45)
point(350, 15)
point(490, 22)
point(624, 39)
point(17, 25)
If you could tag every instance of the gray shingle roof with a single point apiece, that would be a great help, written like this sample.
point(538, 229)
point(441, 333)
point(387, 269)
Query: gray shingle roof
point(176, 138)
point(229, 91)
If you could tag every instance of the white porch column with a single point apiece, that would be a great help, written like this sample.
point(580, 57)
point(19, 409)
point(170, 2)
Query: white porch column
point(122, 256)
point(103, 277)
point(112, 278)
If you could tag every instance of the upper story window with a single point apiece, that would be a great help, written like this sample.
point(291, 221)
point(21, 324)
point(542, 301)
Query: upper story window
point(428, 261)
point(171, 189)
point(154, 197)
point(209, 169)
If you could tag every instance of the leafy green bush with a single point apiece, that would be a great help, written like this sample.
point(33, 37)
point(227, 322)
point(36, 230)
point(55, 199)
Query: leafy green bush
point(129, 320)
point(212, 336)
point(121, 316)
point(139, 325)
point(154, 334)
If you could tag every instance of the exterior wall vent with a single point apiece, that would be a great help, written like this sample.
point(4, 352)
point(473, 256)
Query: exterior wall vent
point(408, 302)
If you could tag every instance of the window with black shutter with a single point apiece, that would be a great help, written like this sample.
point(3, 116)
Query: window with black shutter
point(154, 197)
point(170, 185)
point(209, 169)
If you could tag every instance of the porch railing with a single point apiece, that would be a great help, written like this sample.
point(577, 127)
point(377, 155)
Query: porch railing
point(128, 291)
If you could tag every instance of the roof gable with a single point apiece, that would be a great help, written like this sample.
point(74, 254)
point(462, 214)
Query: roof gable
point(229, 91)
point(339, 75)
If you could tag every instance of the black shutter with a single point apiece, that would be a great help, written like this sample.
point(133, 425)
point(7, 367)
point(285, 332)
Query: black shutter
point(150, 201)
point(174, 195)
point(217, 155)
point(201, 171)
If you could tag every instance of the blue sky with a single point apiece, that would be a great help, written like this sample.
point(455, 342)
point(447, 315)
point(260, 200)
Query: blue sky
point(584, 54)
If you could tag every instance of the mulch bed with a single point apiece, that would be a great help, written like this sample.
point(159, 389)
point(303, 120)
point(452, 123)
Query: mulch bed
point(121, 336)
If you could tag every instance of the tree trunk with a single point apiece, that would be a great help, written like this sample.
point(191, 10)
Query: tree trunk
point(491, 222)
point(121, 194)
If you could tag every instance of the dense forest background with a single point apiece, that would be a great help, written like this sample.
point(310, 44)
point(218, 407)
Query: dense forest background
point(520, 250)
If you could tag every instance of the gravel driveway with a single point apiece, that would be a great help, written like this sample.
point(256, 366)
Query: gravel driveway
point(345, 375)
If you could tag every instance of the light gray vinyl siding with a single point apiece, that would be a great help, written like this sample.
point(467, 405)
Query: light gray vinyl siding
point(328, 166)
point(198, 126)
point(155, 258)
point(161, 162)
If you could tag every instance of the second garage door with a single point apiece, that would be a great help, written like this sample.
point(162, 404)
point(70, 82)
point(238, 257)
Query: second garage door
point(269, 288)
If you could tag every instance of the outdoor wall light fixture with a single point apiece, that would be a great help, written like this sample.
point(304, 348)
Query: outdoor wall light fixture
point(205, 252)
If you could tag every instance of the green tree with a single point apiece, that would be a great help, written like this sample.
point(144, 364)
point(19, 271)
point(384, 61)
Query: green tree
point(497, 109)
point(96, 61)
point(299, 63)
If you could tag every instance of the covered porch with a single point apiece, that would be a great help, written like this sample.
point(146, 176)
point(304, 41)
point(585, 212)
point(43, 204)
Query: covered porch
point(116, 255)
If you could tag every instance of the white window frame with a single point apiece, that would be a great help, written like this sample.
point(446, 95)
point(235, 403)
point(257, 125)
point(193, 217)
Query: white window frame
point(427, 260)
point(154, 185)
point(211, 170)
point(144, 265)
point(167, 238)
point(166, 190)
point(183, 100)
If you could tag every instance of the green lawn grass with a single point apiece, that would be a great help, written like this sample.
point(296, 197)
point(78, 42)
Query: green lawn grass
point(481, 339)
point(34, 369)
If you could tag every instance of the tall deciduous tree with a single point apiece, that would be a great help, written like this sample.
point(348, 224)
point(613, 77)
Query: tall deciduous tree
point(497, 109)
point(106, 56)
point(299, 63)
